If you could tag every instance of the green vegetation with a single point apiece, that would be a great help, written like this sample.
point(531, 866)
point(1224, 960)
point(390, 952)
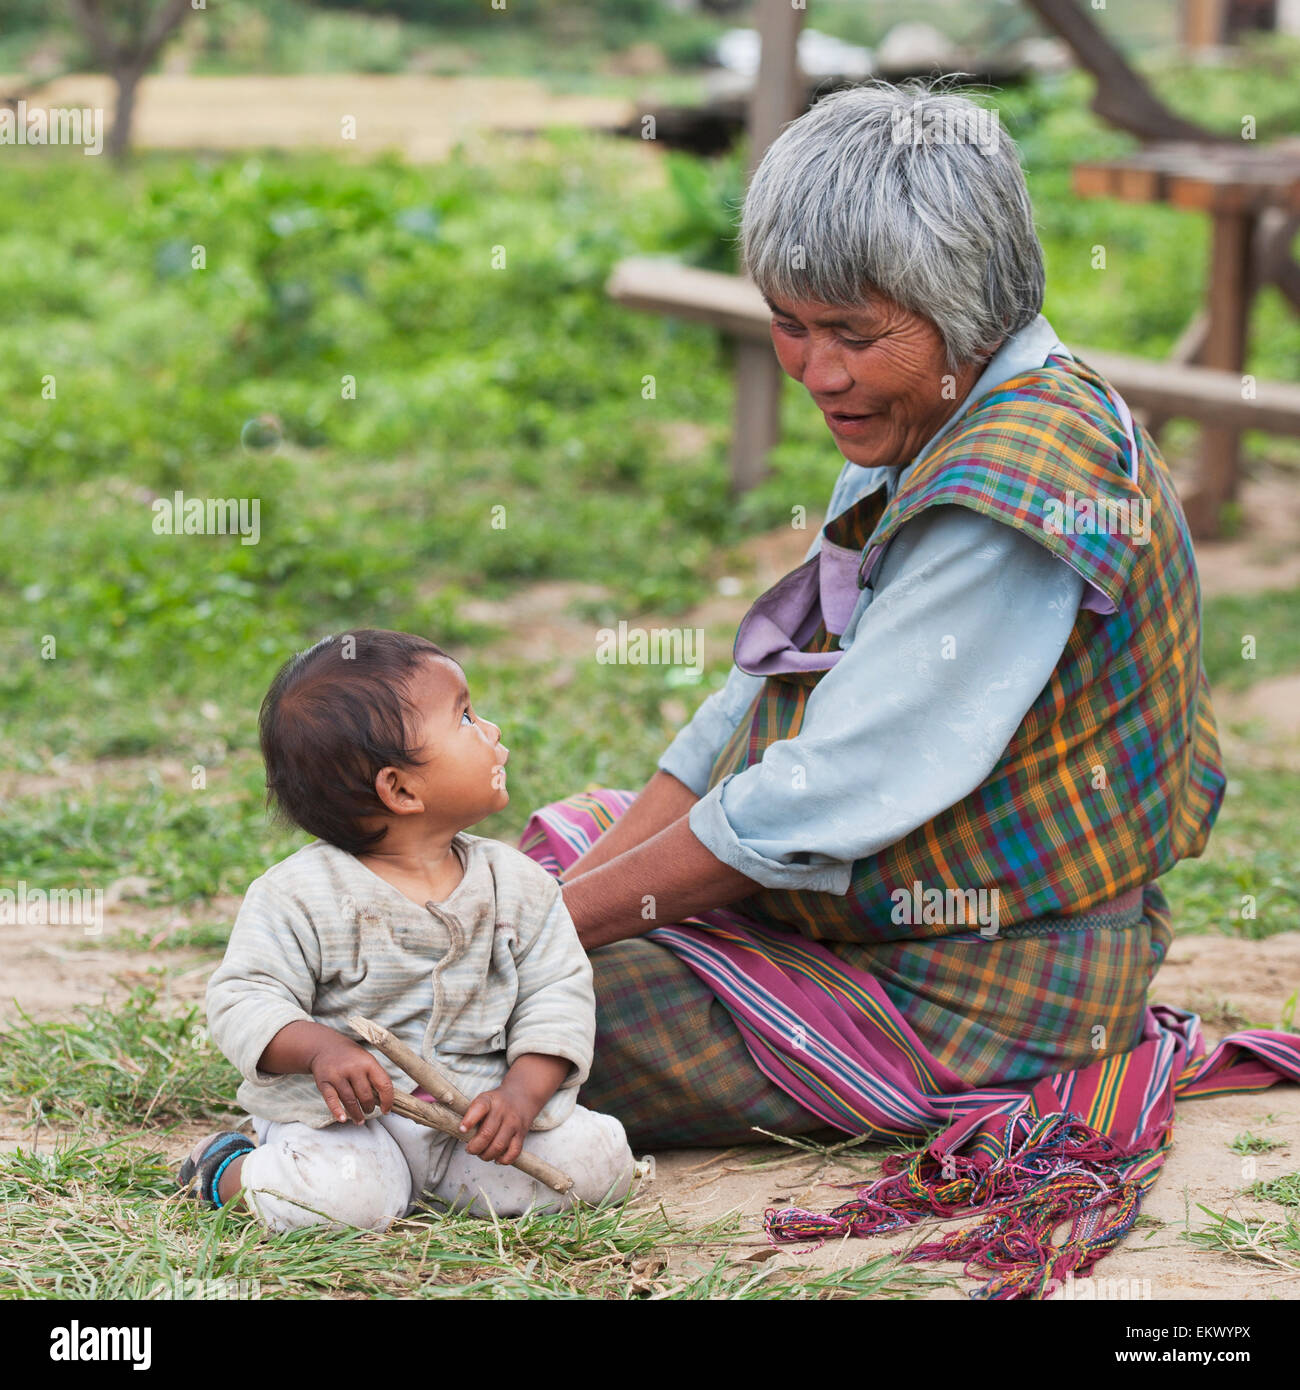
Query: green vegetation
point(1248, 1143)
point(1284, 1190)
point(138, 1064)
point(1254, 853)
point(1275, 1244)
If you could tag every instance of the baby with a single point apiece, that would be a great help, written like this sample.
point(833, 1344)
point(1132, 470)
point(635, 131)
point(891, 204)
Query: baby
point(460, 945)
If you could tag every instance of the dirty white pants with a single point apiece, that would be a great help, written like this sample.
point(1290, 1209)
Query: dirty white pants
point(368, 1175)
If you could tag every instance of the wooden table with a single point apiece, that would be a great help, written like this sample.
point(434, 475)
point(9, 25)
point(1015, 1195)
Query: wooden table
point(1248, 193)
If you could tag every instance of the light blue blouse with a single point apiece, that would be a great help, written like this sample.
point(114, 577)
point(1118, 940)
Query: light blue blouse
point(944, 657)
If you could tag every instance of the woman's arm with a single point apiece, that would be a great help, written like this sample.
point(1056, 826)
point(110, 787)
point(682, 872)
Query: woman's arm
point(663, 800)
point(662, 880)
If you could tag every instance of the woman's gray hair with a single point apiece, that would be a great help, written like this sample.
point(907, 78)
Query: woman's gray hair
point(911, 191)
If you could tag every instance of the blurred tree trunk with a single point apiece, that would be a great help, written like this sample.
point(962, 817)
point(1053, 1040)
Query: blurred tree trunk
point(125, 46)
point(1124, 100)
point(1122, 96)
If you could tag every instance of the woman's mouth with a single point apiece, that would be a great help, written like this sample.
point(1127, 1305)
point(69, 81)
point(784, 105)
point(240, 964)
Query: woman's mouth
point(848, 425)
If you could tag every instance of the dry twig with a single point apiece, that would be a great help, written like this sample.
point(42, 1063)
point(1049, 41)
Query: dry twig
point(443, 1114)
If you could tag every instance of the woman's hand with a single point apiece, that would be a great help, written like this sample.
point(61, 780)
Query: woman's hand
point(668, 877)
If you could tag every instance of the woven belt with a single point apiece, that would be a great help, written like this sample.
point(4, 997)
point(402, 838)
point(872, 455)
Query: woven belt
point(1117, 914)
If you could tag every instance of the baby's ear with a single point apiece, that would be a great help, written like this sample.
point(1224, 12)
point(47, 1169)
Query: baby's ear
point(387, 782)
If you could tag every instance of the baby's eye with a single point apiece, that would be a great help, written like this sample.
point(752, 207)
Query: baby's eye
point(465, 715)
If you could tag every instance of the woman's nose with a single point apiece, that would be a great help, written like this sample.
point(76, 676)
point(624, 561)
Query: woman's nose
point(824, 373)
point(817, 366)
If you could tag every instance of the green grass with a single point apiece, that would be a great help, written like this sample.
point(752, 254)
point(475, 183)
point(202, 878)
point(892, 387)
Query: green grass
point(1250, 637)
point(1247, 1143)
point(1247, 883)
point(142, 1064)
point(105, 1222)
point(1284, 1190)
point(1275, 1244)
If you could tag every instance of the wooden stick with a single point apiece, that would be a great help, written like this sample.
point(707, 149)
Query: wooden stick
point(444, 1117)
point(419, 1069)
point(447, 1121)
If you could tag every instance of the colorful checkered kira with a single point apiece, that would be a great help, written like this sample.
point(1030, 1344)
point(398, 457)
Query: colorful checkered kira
point(1035, 1048)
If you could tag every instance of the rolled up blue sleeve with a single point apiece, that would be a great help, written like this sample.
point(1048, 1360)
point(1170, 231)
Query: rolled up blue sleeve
point(966, 623)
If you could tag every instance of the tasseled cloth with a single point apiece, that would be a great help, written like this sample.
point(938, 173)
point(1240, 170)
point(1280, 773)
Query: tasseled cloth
point(1057, 1169)
point(1026, 1174)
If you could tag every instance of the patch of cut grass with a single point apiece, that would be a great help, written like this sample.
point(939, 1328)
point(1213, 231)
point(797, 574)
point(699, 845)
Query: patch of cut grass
point(1248, 1143)
point(1284, 1190)
point(104, 1222)
point(139, 1063)
point(1273, 1243)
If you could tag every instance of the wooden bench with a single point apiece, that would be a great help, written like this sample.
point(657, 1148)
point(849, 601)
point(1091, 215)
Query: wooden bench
point(733, 306)
point(1252, 197)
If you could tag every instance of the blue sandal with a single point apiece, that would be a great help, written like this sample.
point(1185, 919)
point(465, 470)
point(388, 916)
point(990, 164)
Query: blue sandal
point(201, 1176)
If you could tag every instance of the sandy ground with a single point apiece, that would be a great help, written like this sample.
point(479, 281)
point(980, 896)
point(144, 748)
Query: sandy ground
point(51, 970)
point(421, 116)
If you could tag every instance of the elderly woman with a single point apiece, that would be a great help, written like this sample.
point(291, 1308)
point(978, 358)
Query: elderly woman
point(963, 739)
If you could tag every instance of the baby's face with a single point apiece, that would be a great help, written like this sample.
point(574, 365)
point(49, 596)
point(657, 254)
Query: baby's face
point(463, 775)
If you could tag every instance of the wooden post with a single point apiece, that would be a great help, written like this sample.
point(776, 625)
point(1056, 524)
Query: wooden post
point(1225, 347)
point(777, 99)
point(1204, 22)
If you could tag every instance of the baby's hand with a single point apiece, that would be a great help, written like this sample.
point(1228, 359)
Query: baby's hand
point(350, 1080)
point(503, 1118)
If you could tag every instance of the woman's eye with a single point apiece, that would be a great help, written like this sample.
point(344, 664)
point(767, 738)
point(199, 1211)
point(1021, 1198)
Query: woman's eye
point(793, 328)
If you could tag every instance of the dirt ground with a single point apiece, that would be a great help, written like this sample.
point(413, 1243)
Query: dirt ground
point(422, 116)
point(49, 970)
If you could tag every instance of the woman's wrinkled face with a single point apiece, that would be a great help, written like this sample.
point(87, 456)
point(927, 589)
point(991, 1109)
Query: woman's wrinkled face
point(878, 372)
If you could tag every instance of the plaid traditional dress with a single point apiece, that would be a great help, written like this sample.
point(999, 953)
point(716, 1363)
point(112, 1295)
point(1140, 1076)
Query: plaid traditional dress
point(795, 1010)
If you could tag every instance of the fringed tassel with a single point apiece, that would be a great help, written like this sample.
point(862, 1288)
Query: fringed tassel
point(1061, 1170)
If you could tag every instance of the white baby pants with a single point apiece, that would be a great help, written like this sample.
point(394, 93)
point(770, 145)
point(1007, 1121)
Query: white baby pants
point(368, 1175)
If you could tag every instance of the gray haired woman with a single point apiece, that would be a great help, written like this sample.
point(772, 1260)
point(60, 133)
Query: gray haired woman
point(962, 740)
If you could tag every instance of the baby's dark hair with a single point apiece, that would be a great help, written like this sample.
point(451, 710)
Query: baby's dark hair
point(334, 716)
